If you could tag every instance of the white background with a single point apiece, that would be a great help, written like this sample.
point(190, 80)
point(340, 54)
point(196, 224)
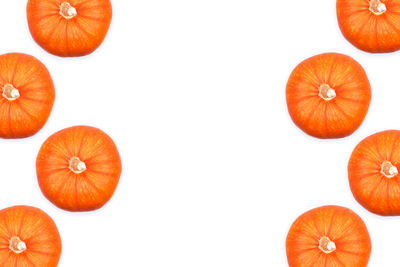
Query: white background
point(193, 93)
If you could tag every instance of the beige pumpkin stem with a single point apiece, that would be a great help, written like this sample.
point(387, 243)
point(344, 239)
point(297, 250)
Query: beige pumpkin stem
point(377, 7)
point(10, 93)
point(326, 92)
point(67, 11)
point(388, 169)
point(17, 245)
point(76, 165)
point(326, 245)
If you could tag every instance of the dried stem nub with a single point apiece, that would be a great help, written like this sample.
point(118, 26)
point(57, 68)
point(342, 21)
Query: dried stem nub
point(17, 245)
point(326, 245)
point(67, 11)
point(377, 7)
point(76, 165)
point(388, 169)
point(326, 92)
point(10, 93)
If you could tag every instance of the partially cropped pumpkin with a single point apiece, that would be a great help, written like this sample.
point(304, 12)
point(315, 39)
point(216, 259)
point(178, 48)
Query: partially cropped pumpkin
point(328, 236)
point(328, 95)
point(28, 238)
point(370, 25)
point(27, 95)
point(374, 173)
point(78, 168)
point(69, 28)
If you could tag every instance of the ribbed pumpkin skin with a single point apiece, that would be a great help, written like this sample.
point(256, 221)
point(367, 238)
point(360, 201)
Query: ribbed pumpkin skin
point(341, 225)
point(37, 230)
point(374, 191)
point(26, 115)
point(338, 117)
point(367, 31)
point(73, 37)
point(84, 191)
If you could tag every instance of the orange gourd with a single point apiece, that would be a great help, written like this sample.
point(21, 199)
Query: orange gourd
point(374, 173)
point(370, 25)
point(27, 95)
point(69, 28)
point(78, 168)
point(328, 236)
point(28, 237)
point(328, 95)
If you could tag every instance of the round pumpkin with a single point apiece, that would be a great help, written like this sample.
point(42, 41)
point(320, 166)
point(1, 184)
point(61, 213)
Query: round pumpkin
point(28, 237)
point(328, 95)
point(374, 173)
point(328, 236)
point(78, 168)
point(27, 95)
point(370, 25)
point(69, 28)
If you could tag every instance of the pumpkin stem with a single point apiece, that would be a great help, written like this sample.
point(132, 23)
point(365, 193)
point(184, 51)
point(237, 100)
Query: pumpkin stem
point(326, 245)
point(76, 165)
point(389, 170)
point(326, 92)
point(10, 93)
point(17, 245)
point(377, 7)
point(67, 11)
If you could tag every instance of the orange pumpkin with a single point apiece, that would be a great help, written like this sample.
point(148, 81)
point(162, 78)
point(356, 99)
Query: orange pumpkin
point(78, 168)
point(328, 236)
point(27, 95)
point(69, 28)
point(374, 173)
point(328, 95)
point(370, 25)
point(28, 237)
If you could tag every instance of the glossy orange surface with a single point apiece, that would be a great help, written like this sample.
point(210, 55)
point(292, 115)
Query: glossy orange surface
point(26, 113)
point(322, 115)
point(38, 242)
point(69, 28)
point(375, 187)
point(347, 233)
point(370, 25)
point(78, 168)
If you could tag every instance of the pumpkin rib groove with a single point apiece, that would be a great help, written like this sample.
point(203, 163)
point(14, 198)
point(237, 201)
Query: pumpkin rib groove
point(66, 39)
point(9, 121)
point(21, 107)
point(90, 182)
point(29, 261)
point(91, 18)
point(12, 78)
point(339, 261)
point(390, 210)
point(396, 142)
point(61, 186)
point(351, 100)
point(85, 32)
point(342, 111)
point(100, 172)
point(328, 232)
point(373, 191)
point(76, 193)
point(326, 121)
point(54, 29)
